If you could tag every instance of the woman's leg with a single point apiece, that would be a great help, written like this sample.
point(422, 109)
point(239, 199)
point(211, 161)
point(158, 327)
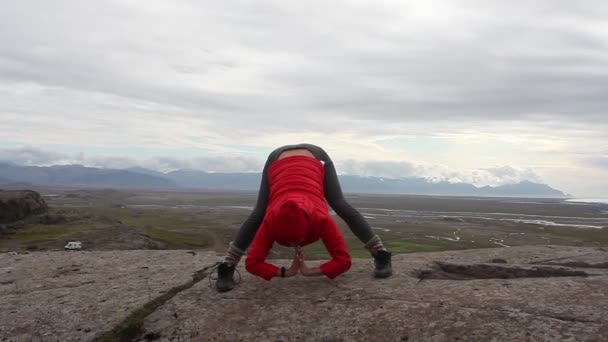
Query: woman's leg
point(247, 231)
point(355, 221)
point(333, 193)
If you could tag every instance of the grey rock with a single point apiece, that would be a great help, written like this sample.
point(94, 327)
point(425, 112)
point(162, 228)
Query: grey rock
point(74, 297)
point(357, 307)
point(17, 205)
point(52, 294)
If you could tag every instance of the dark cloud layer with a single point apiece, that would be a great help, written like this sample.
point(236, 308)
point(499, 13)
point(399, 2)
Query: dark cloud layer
point(392, 63)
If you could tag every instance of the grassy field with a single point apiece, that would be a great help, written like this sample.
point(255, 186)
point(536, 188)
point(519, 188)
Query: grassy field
point(110, 219)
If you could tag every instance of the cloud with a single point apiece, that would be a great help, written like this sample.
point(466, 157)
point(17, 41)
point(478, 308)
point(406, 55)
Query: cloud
point(507, 175)
point(522, 86)
point(267, 65)
point(211, 164)
point(600, 162)
point(387, 169)
point(31, 156)
point(495, 176)
point(234, 163)
point(107, 162)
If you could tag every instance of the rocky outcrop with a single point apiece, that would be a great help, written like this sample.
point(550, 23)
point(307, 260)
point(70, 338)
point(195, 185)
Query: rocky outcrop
point(17, 205)
point(535, 293)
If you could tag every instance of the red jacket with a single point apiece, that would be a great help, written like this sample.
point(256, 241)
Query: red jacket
point(297, 213)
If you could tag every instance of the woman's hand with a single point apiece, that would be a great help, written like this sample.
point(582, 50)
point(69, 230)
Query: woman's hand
point(295, 265)
point(299, 256)
point(304, 269)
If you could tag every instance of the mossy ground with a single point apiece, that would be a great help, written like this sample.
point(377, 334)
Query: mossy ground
point(109, 219)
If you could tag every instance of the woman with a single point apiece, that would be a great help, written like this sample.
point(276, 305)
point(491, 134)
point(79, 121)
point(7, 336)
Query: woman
point(291, 202)
point(297, 215)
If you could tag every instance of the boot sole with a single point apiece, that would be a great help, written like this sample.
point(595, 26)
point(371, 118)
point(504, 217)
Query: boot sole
point(381, 275)
point(222, 289)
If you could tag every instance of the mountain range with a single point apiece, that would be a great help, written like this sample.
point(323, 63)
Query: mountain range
point(137, 177)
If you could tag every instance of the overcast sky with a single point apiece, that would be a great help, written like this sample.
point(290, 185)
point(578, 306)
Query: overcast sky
point(485, 92)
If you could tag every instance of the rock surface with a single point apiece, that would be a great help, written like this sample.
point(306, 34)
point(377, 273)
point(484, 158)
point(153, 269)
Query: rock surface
point(17, 205)
point(77, 296)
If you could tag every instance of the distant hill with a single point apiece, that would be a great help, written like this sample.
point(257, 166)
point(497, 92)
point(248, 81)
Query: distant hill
point(350, 183)
point(145, 171)
point(411, 185)
point(211, 180)
point(194, 179)
point(81, 176)
point(421, 186)
point(524, 188)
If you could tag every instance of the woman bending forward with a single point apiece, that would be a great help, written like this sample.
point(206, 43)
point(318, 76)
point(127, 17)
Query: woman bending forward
point(298, 181)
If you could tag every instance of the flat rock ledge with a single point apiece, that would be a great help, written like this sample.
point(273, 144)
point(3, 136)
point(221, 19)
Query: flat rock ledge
point(532, 293)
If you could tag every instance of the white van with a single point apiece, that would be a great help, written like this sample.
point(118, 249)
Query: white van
point(73, 245)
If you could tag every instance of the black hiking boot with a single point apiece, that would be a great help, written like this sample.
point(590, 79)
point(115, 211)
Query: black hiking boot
point(225, 282)
point(382, 261)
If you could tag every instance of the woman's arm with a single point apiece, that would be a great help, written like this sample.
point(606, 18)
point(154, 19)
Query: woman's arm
point(334, 242)
point(256, 258)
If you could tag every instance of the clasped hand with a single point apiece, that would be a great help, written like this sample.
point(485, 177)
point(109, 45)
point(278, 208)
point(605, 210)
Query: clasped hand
point(298, 265)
